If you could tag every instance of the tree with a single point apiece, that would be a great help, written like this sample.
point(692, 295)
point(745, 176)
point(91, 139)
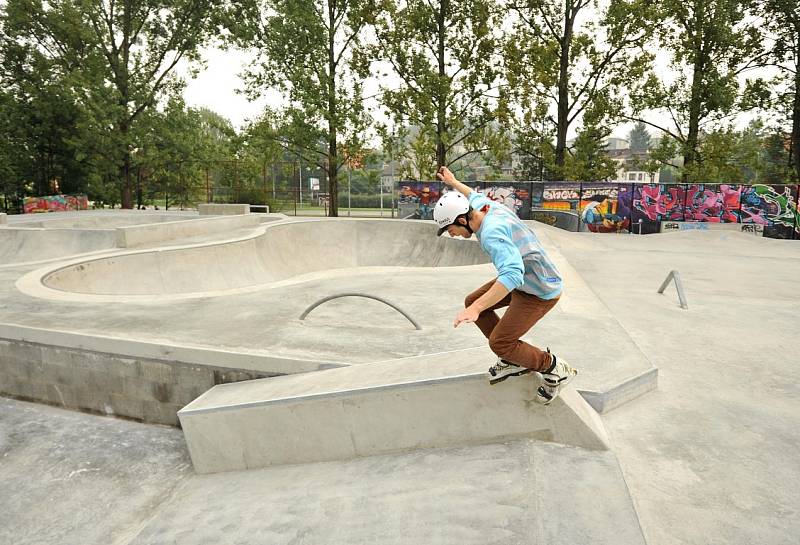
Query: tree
point(711, 44)
point(121, 56)
point(639, 138)
point(556, 63)
point(589, 161)
point(312, 51)
point(445, 53)
point(783, 21)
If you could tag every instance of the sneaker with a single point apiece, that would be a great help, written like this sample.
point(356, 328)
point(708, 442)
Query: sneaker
point(556, 377)
point(504, 369)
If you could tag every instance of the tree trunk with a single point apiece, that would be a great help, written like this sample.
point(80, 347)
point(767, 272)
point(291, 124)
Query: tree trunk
point(441, 102)
point(690, 154)
point(333, 161)
point(124, 101)
point(795, 138)
point(563, 91)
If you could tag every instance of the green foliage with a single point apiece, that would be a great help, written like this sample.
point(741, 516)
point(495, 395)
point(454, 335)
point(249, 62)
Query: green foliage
point(115, 61)
point(639, 137)
point(313, 52)
point(560, 58)
point(746, 156)
point(446, 54)
point(710, 43)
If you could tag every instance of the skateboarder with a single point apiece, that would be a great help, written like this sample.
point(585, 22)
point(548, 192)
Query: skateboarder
point(527, 283)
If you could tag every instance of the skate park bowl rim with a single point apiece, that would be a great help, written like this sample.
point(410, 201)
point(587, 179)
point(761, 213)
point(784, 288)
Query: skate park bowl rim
point(276, 254)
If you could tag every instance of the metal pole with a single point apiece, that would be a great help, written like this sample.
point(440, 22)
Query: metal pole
point(300, 169)
point(349, 208)
point(365, 295)
point(675, 275)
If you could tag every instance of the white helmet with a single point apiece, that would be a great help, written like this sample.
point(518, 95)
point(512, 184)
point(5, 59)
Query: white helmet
point(448, 208)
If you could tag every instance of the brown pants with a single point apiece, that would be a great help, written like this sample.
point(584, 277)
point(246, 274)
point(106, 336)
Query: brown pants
point(524, 310)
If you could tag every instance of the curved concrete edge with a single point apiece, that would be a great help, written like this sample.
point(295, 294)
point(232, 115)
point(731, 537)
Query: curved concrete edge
point(59, 243)
point(50, 262)
point(447, 411)
point(138, 235)
point(32, 283)
point(170, 352)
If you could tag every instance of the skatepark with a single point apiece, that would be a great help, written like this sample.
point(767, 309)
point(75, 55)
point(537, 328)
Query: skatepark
point(168, 377)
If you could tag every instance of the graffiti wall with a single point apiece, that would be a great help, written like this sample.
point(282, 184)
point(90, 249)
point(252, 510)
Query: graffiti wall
point(415, 200)
point(55, 203)
point(599, 209)
point(516, 196)
point(774, 207)
point(602, 207)
point(714, 203)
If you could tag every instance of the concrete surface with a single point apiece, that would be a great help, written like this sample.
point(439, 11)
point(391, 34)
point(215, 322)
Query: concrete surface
point(130, 484)
point(262, 320)
point(223, 209)
point(706, 459)
point(374, 409)
point(30, 245)
point(3, 218)
point(271, 255)
point(140, 235)
point(73, 478)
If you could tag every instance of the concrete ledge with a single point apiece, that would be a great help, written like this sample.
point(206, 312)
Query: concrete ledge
point(136, 235)
point(376, 408)
point(223, 209)
point(3, 218)
point(169, 352)
point(137, 388)
point(625, 391)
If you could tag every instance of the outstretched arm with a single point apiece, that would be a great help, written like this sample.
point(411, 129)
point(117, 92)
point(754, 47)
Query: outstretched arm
point(448, 178)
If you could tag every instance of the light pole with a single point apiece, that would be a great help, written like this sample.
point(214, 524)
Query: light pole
point(300, 170)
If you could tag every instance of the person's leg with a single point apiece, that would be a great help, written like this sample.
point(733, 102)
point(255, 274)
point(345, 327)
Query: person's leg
point(522, 314)
point(488, 319)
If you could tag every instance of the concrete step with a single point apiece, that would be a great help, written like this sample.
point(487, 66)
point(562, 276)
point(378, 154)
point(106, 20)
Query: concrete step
point(412, 403)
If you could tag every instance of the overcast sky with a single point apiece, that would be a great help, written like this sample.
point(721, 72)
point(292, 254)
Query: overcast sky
point(215, 89)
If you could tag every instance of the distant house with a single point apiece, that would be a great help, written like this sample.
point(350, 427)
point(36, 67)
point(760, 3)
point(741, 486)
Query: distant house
point(629, 170)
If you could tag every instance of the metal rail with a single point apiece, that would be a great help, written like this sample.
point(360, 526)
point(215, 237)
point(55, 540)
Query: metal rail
point(675, 275)
point(376, 298)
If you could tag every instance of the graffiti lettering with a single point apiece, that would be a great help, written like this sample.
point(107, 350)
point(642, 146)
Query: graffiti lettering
point(560, 194)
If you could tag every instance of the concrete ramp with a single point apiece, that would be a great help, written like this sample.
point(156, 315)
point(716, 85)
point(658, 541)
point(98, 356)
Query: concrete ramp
point(32, 245)
point(413, 403)
point(278, 251)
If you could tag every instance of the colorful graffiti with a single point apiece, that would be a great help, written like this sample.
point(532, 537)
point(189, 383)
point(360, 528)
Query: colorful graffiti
point(598, 209)
point(773, 206)
point(416, 199)
point(516, 196)
point(603, 207)
point(55, 203)
point(717, 203)
point(561, 196)
point(659, 202)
